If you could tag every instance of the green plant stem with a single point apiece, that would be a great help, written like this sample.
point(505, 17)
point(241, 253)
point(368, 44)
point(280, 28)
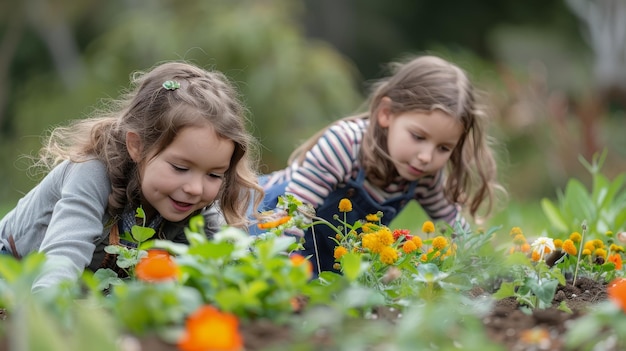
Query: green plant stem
point(580, 250)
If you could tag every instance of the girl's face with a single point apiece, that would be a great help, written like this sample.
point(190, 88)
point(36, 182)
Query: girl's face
point(186, 175)
point(419, 143)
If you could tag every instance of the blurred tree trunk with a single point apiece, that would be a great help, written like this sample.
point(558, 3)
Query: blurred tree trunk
point(605, 21)
point(51, 25)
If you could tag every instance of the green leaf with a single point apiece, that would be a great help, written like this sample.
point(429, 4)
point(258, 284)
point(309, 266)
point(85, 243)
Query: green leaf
point(554, 215)
point(141, 234)
point(507, 289)
point(351, 266)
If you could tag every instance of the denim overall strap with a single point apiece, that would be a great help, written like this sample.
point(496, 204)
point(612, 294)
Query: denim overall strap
point(362, 205)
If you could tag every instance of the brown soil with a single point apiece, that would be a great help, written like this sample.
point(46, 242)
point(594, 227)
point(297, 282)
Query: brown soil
point(508, 325)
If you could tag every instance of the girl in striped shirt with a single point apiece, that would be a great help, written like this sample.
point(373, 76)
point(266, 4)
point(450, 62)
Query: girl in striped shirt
point(423, 138)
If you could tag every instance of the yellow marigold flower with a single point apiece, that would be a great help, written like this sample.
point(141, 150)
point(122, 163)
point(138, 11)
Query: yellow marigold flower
point(428, 227)
point(336, 266)
point(388, 255)
point(589, 246)
point(224, 329)
point(339, 251)
point(345, 205)
point(418, 241)
point(424, 257)
point(519, 239)
point(569, 247)
point(536, 256)
point(440, 242)
point(600, 253)
point(409, 246)
point(586, 252)
point(385, 236)
point(371, 242)
point(608, 233)
point(371, 218)
point(617, 292)
point(516, 231)
point(575, 237)
point(616, 248)
point(558, 243)
point(338, 236)
point(599, 244)
point(158, 266)
point(616, 259)
point(525, 248)
point(369, 227)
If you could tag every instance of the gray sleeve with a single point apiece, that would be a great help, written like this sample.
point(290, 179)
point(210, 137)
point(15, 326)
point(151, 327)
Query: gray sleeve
point(75, 223)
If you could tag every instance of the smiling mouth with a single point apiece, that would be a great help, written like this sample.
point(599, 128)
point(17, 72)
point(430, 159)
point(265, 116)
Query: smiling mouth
point(181, 206)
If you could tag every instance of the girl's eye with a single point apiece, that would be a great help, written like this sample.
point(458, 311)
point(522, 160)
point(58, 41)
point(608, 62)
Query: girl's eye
point(178, 169)
point(418, 137)
point(444, 149)
point(215, 175)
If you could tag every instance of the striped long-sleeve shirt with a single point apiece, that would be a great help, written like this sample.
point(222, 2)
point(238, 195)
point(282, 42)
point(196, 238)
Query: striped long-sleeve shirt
point(334, 160)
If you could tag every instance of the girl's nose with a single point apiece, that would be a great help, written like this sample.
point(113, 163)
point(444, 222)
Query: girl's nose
point(193, 186)
point(425, 155)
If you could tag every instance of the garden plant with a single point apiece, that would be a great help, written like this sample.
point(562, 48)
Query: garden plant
point(438, 288)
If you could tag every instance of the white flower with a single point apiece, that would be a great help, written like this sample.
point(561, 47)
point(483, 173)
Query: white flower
point(543, 245)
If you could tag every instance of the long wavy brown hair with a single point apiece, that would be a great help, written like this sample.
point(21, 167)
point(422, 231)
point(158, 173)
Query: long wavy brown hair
point(157, 115)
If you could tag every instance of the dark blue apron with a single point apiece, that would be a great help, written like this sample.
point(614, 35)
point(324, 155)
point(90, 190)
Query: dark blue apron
point(362, 205)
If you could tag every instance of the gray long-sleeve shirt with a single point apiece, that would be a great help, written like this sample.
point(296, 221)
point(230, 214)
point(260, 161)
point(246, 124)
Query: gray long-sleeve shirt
point(65, 218)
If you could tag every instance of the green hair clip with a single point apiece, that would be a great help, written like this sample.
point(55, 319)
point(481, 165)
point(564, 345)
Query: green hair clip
point(171, 85)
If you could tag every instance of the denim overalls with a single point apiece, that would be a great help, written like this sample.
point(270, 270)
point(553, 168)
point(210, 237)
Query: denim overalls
point(362, 205)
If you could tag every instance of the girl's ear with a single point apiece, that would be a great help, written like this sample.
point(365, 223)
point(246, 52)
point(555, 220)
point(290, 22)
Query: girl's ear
point(133, 145)
point(383, 114)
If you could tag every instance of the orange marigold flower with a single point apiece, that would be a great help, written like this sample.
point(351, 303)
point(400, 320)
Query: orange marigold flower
point(299, 260)
point(558, 243)
point(616, 259)
point(440, 242)
point(586, 252)
point(210, 329)
point(536, 336)
point(345, 205)
point(372, 218)
point(569, 247)
point(418, 241)
point(409, 246)
point(158, 266)
point(273, 224)
point(516, 231)
point(525, 248)
point(428, 227)
point(370, 241)
point(339, 252)
point(576, 237)
point(388, 255)
point(617, 292)
point(338, 236)
point(536, 256)
point(589, 246)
